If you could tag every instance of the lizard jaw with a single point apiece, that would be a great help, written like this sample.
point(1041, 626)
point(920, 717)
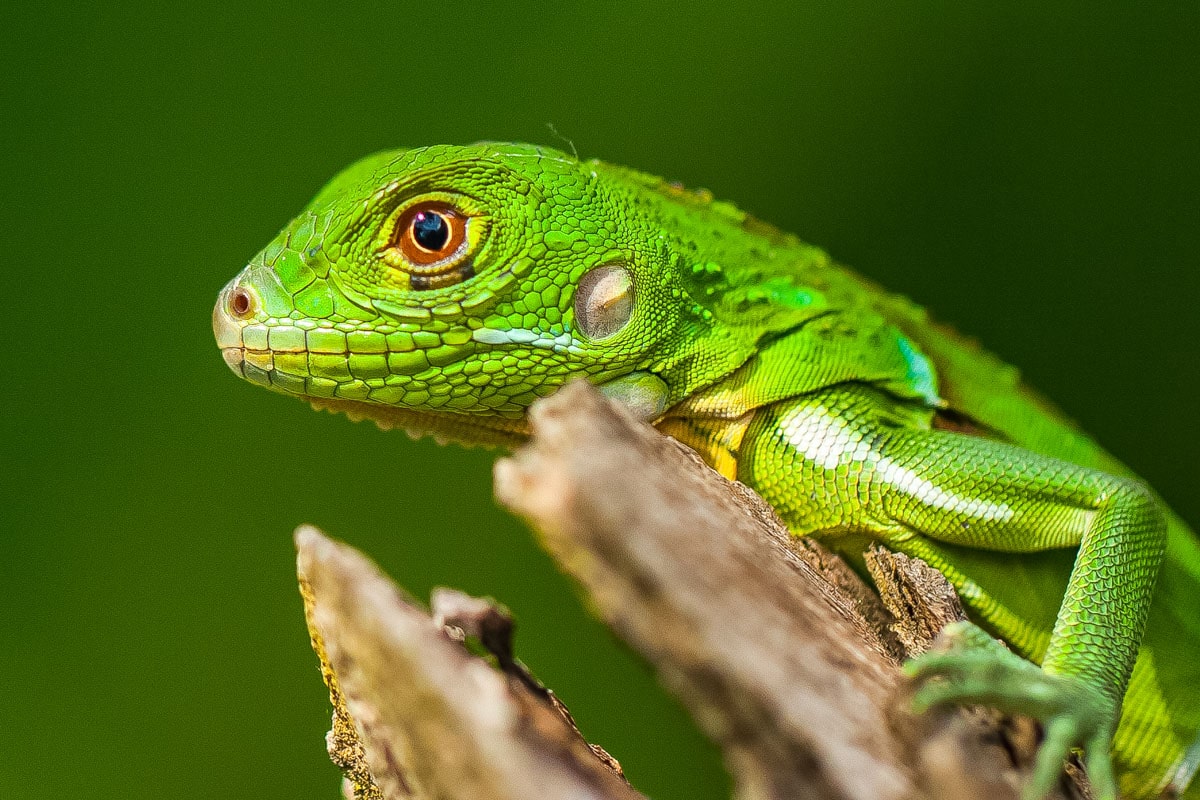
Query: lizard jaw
point(443, 428)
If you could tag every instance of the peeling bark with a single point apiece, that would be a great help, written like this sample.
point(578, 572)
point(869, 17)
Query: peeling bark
point(431, 720)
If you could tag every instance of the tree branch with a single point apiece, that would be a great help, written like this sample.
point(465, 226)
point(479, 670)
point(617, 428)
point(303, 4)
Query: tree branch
point(783, 655)
point(430, 720)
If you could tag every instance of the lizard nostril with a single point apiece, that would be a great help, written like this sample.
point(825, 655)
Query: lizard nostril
point(241, 303)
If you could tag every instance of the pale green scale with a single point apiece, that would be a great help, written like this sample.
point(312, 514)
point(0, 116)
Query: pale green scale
point(315, 301)
point(326, 340)
point(293, 273)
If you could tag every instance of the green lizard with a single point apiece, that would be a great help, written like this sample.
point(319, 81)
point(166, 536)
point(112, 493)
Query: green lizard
point(445, 289)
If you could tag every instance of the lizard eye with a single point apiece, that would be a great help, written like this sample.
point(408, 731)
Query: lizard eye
point(428, 242)
point(604, 301)
point(430, 234)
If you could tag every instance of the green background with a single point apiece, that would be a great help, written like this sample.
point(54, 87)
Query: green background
point(1030, 172)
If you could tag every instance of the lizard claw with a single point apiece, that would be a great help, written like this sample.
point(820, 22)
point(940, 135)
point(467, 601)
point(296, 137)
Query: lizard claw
point(974, 668)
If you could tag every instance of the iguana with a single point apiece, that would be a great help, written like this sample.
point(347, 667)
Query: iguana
point(444, 289)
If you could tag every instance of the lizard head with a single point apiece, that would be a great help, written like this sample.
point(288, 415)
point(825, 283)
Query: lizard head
point(444, 289)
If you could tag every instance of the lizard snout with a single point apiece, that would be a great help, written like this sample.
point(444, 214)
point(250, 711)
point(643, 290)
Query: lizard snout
point(236, 304)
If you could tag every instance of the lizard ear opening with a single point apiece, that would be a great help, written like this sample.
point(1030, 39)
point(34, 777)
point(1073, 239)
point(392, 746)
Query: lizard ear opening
point(604, 301)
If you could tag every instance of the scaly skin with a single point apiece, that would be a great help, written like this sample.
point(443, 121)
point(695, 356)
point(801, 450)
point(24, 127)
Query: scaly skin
point(444, 289)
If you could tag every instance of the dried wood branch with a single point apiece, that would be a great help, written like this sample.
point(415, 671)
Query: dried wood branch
point(427, 718)
point(783, 655)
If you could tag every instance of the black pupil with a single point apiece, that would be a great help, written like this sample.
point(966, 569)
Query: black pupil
point(430, 230)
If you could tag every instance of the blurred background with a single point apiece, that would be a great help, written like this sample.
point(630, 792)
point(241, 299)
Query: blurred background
point(1027, 170)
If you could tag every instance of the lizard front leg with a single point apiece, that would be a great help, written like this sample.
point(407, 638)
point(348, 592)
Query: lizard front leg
point(853, 461)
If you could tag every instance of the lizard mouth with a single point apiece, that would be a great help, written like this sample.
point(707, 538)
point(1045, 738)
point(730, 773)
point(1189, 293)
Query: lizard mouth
point(277, 357)
point(349, 368)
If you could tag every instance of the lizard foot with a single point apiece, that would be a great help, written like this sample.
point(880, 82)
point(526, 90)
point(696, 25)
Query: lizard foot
point(976, 669)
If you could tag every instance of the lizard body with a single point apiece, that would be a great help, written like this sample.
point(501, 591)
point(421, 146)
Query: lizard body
point(444, 289)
